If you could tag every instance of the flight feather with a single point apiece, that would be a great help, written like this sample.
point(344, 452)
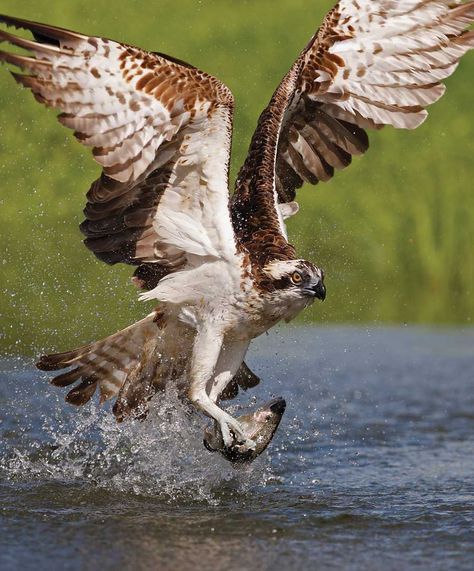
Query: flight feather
point(371, 64)
point(161, 130)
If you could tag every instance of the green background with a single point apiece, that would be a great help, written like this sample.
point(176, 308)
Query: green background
point(394, 231)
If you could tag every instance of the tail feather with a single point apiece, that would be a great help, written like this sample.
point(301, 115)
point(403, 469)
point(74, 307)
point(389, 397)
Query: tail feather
point(66, 379)
point(129, 367)
point(58, 361)
point(104, 364)
point(138, 388)
point(82, 393)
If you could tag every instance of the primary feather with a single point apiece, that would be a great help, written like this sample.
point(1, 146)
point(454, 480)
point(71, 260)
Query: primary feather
point(159, 128)
point(371, 64)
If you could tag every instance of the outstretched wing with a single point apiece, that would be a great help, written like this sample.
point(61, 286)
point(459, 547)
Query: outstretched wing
point(372, 63)
point(160, 128)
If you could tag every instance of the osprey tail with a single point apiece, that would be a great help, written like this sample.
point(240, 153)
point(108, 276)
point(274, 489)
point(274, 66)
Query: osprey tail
point(115, 365)
point(132, 365)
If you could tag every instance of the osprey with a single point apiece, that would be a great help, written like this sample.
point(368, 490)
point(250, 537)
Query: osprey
point(221, 268)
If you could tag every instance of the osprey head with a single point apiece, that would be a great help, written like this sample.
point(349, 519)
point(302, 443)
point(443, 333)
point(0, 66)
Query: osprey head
point(297, 279)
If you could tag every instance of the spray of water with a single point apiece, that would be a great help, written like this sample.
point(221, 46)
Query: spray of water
point(161, 456)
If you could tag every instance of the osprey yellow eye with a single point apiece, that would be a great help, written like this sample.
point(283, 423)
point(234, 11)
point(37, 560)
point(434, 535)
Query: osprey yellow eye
point(296, 278)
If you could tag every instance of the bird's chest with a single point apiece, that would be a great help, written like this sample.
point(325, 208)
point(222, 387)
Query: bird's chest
point(253, 313)
point(242, 312)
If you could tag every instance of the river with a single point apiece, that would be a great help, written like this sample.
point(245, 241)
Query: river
point(372, 467)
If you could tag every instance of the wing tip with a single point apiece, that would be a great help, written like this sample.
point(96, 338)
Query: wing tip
point(44, 33)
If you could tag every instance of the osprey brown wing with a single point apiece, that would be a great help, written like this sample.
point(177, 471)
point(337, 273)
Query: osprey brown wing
point(372, 63)
point(161, 130)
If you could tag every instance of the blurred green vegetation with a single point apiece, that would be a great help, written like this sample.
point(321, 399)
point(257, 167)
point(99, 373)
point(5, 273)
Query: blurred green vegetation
point(394, 231)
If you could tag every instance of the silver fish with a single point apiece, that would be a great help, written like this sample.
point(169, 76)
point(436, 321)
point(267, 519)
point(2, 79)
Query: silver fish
point(260, 426)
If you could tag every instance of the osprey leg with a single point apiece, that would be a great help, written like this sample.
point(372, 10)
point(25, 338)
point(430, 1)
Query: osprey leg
point(230, 360)
point(206, 352)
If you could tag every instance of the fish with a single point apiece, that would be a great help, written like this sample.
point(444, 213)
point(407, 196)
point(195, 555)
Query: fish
point(260, 426)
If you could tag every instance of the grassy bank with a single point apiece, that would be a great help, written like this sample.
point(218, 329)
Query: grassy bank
point(394, 231)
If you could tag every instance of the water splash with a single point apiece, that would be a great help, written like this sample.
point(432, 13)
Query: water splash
point(163, 456)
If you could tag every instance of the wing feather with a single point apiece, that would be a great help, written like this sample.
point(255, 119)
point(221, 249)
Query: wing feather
point(371, 64)
point(160, 129)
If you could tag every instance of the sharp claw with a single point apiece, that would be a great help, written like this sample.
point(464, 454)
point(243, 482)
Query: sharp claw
point(246, 446)
point(226, 435)
point(234, 437)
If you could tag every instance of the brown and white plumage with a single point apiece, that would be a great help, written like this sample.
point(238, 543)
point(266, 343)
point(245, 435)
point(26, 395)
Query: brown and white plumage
point(161, 130)
point(223, 270)
point(371, 64)
point(111, 366)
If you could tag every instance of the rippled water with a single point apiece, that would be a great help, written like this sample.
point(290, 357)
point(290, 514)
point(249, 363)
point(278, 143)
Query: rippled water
point(372, 467)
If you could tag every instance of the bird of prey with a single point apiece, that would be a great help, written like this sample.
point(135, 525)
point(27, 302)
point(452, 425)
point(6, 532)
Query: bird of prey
point(220, 268)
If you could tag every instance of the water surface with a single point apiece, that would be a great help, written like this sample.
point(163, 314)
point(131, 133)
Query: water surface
point(372, 466)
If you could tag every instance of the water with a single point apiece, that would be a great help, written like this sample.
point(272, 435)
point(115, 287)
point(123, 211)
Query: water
point(372, 466)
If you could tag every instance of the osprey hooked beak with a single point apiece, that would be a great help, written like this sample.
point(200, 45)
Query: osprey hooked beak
point(318, 290)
